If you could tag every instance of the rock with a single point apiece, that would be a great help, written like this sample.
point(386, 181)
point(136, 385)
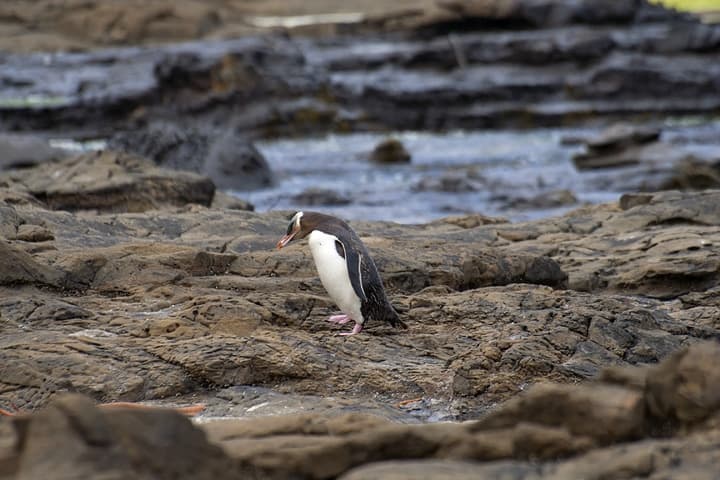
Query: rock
point(33, 233)
point(621, 145)
point(230, 161)
point(551, 199)
point(165, 144)
point(694, 174)
point(111, 182)
point(390, 150)
point(546, 64)
point(543, 13)
point(441, 470)
point(224, 200)
point(605, 414)
point(195, 304)
point(236, 164)
point(22, 151)
point(685, 388)
point(72, 438)
point(320, 196)
point(630, 200)
point(19, 267)
point(621, 136)
point(546, 425)
point(162, 303)
point(448, 183)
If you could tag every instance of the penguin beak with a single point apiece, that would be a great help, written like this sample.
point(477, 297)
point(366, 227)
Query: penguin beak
point(287, 238)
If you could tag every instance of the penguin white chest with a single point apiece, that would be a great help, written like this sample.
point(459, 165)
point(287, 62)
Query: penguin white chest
point(334, 274)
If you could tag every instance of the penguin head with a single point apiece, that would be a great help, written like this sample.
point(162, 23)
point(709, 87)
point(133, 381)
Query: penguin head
point(303, 223)
point(294, 230)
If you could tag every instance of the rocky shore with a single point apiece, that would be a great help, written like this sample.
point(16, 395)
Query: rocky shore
point(190, 303)
point(583, 345)
point(445, 65)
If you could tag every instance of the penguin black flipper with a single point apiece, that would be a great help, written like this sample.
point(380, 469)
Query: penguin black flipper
point(377, 306)
point(353, 259)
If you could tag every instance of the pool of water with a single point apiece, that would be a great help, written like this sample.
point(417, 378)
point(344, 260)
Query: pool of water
point(516, 174)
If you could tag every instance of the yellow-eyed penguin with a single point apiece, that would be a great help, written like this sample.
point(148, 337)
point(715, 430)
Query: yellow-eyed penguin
point(346, 270)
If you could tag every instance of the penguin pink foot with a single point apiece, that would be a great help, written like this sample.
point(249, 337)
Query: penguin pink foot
point(339, 319)
point(356, 329)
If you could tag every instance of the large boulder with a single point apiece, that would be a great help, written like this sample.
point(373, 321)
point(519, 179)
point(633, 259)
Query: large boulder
point(228, 159)
point(108, 181)
point(73, 438)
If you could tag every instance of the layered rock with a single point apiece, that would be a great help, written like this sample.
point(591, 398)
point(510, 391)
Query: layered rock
point(110, 182)
point(492, 64)
point(663, 420)
point(146, 306)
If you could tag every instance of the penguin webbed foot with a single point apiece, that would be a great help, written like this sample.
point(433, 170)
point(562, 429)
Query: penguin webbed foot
point(356, 329)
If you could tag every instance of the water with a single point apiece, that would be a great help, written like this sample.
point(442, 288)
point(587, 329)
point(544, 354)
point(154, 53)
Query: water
point(497, 173)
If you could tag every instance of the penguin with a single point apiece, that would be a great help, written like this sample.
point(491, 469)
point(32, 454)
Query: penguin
point(346, 270)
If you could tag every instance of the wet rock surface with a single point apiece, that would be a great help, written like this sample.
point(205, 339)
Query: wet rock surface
point(143, 306)
point(224, 156)
point(577, 346)
point(511, 64)
point(662, 423)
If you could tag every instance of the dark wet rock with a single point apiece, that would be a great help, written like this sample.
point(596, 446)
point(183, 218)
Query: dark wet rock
point(694, 174)
point(320, 196)
point(390, 150)
point(225, 200)
point(655, 154)
point(630, 200)
point(236, 164)
point(554, 70)
point(620, 136)
point(72, 438)
point(616, 146)
point(166, 144)
point(448, 183)
point(225, 157)
point(111, 182)
point(21, 151)
point(542, 13)
point(552, 199)
point(647, 162)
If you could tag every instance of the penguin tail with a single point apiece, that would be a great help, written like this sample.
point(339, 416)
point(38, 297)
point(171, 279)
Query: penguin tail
point(395, 319)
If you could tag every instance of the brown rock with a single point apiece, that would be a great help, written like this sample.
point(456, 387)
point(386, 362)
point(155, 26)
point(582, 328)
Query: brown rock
point(19, 267)
point(390, 150)
point(72, 438)
point(603, 413)
point(112, 182)
point(686, 387)
point(34, 233)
